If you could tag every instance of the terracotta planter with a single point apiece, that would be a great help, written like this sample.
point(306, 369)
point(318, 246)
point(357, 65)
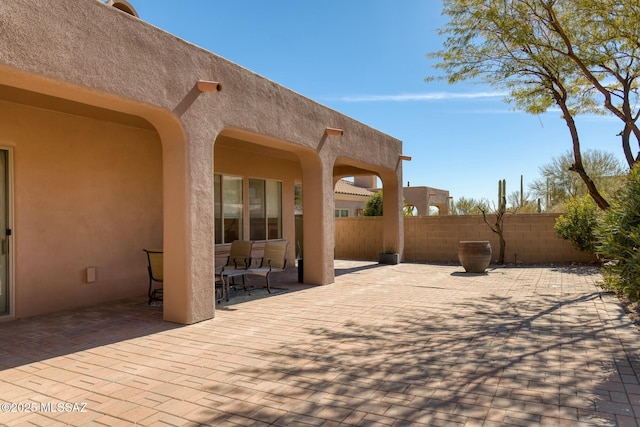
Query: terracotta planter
point(474, 256)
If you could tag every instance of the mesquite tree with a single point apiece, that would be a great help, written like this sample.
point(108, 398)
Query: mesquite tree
point(579, 55)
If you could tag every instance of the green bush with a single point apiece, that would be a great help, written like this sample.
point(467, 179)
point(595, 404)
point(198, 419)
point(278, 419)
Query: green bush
point(580, 223)
point(374, 205)
point(611, 282)
point(619, 238)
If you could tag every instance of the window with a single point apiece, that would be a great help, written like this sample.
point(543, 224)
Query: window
point(265, 209)
point(297, 198)
point(228, 208)
point(341, 213)
point(274, 210)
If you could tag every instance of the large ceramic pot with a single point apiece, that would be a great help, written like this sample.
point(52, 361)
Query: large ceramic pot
point(474, 255)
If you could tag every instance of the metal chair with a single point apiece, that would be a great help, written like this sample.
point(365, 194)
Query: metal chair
point(273, 261)
point(238, 261)
point(155, 269)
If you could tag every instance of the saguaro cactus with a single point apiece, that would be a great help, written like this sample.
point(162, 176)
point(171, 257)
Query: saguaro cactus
point(502, 196)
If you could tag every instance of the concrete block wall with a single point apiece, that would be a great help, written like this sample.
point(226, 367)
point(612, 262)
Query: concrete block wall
point(358, 238)
point(530, 239)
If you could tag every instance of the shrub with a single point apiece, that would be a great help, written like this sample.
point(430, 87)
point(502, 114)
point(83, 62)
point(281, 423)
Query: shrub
point(374, 205)
point(619, 238)
point(580, 223)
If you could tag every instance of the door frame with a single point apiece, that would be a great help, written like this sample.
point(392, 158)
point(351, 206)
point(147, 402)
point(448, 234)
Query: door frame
point(10, 239)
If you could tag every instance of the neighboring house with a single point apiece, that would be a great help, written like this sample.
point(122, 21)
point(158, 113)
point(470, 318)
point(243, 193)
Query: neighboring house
point(350, 200)
point(116, 136)
point(423, 198)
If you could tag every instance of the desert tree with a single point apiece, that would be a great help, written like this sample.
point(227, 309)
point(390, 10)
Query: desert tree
point(578, 55)
point(557, 185)
point(518, 202)
point(499, 214)
point(468, 206)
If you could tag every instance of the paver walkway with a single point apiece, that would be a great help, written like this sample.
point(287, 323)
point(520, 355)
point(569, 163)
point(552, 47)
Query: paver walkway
point(405, 345)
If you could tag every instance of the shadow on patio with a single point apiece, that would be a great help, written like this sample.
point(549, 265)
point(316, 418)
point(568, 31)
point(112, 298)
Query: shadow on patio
point(38, 338)
point(410, 344)
point(492, 359)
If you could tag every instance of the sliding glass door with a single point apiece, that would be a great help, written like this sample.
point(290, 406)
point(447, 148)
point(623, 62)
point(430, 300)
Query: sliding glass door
point(5, 235)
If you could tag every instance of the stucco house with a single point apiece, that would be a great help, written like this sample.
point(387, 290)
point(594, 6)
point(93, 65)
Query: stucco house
point(423, 198)
point(116, 136)
point(351, 197)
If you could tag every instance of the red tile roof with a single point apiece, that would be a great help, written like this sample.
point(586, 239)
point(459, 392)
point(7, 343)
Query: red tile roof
point(346, 187)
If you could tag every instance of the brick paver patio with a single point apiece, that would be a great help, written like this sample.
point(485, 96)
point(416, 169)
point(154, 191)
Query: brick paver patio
point(405, 345)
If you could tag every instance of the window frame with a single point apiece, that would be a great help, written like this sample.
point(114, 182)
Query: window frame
point(219, 209)
point(246, 221)
point(265, 208)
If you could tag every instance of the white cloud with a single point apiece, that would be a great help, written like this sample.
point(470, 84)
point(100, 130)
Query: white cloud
point(432, 96)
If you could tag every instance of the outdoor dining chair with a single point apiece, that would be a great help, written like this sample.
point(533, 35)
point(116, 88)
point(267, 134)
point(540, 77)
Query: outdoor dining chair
point(274, 260)
point(155, 269)
point(238, 261)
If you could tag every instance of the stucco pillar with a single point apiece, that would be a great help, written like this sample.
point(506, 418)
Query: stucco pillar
point(318, 220)
point(189, 251)
point(393, 220)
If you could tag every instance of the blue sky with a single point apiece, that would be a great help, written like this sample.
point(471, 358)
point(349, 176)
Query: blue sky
point(366, 59)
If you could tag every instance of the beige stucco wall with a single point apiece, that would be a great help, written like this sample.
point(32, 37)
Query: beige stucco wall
point(232, 157)
point(95, 55)
point(435, 239)
point(351, 203)
point(424, 197)
point(87, 193)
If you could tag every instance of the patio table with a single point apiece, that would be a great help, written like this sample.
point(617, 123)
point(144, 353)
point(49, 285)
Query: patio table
point(229, 274)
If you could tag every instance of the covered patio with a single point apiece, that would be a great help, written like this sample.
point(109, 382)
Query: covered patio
point(119, 144)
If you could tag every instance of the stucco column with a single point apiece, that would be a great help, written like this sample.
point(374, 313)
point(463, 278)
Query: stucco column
point(393, 220)
point(189, 251)
point(318, 219)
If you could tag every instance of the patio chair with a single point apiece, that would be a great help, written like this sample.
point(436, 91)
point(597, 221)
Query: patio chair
point(155, 269)
point(238, 261)
point(239, 256)
point(273, 261)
